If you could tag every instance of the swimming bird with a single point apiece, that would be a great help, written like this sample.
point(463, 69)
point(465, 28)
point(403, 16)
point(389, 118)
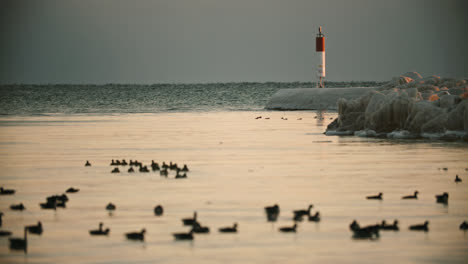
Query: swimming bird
point(375, 197)
point(136, 235)
point(124, 163)
point(315, 218)
point(232, 229)
point(288, 229)
point(154, 166)
point(365, 233)
point(457, 179)
point(163, 172)
point(443, 198)
point(199, 229)
point(130, 170)
point(158, 210)
point(185, 168)
point(164, 165)
point(464, 226)
point(298, 214)
point(35, 229)
point(72, 190)
point(87, 164)
point(181, 176)
point(143, 169)
point(50, 204)
point(112, 163)
point(415, 196)
point(100, 231)
point(421, 227)
point(17, 207)
point(183, 236)
point(110, 207)
point(115, 170)
point(354, 225)
point(190, 221)
point(368, 232)
point(20, 243)
point(6, 191)
point(5, 233)
point(394, 226)
point(272, 212)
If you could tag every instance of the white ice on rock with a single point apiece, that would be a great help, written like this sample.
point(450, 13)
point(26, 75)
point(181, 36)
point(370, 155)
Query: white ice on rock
point(408, 106)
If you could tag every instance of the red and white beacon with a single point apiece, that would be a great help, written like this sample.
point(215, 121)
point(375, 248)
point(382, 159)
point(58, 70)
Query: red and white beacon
point(320, 49)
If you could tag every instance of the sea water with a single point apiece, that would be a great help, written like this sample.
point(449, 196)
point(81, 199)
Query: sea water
point(238, 165)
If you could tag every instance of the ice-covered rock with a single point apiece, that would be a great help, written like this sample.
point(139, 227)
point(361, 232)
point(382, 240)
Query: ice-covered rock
point(407, 107)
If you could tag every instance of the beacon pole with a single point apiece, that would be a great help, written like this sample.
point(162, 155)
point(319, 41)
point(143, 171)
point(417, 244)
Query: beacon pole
point(320, 49)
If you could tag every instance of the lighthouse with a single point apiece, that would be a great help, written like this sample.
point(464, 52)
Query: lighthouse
point(320, 49)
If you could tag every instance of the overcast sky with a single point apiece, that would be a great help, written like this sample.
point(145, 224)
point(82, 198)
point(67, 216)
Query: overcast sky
point(125, 41)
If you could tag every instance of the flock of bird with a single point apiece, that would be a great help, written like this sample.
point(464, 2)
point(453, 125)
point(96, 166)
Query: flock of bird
point(163, 169)
point(272, 213)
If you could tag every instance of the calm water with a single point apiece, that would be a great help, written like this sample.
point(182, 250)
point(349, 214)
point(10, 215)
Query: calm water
point(238, 165)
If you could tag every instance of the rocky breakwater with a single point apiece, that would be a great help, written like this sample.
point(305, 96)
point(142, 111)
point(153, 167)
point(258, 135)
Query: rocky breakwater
point(408, 106)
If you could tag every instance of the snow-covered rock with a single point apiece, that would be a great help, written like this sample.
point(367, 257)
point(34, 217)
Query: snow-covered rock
point(407, 107)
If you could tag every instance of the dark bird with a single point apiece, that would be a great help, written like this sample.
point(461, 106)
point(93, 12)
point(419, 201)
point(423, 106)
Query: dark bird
point(181, 176)
point(298, 214)
point(183, 236)
point(6, 191)
point(136, 235)
point(421, 227)
point(20, 243)
point(375, 197)
point(369, 232)
point(464, 226)
point(72, 190)
point(457, 179)
point(164, 165)
point(154, 166)
point(415, 196)
point(354, 225)
point(87, 164)
point(199, 229)
point(232, 229)
point(130, 170)
point(112, 163)
point(100, 231)
point(115, 170)
point(258, 117)
point(190, 221)
point(365, 233)
point(163, 172)
point(35, 229)
point(185, 168)
point(1, 221)
point(5, 233)
point(315, 218)
point(50, 204)
point(17, 207)
point(110, 207)
point(272, 212)
point(443, 198)
point(385, 226)
point(288, 229)
point(158, 210)
point(124, 163)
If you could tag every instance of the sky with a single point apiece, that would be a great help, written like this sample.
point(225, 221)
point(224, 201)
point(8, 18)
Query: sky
point(199, 41)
